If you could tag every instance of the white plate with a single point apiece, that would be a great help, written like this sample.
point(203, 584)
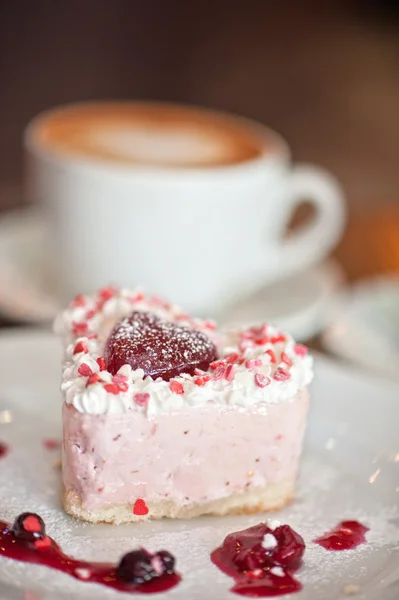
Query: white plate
point(302, 303)
point(348, 472)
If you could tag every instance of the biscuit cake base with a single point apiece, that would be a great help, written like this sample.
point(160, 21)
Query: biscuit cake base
point(272, 497)
point(184, 463)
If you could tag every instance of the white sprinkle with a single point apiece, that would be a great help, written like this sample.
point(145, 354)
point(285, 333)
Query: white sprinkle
point(125, 370)
point(157, 565)
point(277, 571)
point(83, 573)
point(272, 524)
point(269, 541)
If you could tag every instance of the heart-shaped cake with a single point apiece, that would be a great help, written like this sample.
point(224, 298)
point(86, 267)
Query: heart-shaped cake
point(161, 348)
point(167, 416)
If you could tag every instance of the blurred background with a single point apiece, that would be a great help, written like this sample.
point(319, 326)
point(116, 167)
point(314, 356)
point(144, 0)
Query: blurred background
point(325, 74)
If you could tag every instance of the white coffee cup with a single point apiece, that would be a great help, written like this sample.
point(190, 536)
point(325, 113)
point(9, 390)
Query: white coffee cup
point(189, 203)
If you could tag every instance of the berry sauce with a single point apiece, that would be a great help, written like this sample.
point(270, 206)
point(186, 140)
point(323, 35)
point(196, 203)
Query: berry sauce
point(3, 449)
point(258, 568)
point(347, 535)
point(161, 348)
point(26, 541)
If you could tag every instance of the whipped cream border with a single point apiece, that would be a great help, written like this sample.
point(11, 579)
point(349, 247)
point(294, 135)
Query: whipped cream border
point(256, 366)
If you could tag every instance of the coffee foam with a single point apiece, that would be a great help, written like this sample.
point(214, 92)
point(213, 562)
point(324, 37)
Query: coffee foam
point(148, 134)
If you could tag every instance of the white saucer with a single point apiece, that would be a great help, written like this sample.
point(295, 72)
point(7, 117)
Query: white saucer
point(22, 264)
point(301, 304)
point(366, 328)
point(350, 470)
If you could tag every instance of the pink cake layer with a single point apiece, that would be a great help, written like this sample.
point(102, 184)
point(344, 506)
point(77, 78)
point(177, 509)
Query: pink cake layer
point(190, 456)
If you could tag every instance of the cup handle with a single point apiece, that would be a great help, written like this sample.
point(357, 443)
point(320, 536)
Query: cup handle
point(312, 241)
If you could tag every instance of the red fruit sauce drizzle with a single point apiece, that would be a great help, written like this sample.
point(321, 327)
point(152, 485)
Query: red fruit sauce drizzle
point(347, 535)
point(51, 444)
point(3, 449)
point(51, 555)
point(258, 571)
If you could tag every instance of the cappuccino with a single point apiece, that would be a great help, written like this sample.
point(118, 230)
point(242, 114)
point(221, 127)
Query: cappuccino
point(157, 134)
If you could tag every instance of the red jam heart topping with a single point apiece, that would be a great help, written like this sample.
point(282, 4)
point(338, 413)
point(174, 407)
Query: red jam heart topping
point(161, 348)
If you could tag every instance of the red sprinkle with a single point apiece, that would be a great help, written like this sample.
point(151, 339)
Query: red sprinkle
point(210, 325)
point(229, 373)
point(112, 388)
point(281, 374)
point(250, 364)
point(90, 313)
point(141, 399)
point(107, 293)
point(262, 340)
point(78, 301)
point(79, 328)
point(95, 378)
point(85, 370)
point(217, 363)
point(231, 358)
point(300, 350)
point(272, 355)
point(101, 363)
point(140, 507)
point(285, 358)
point(137, 298)
point(278, 338)
point(104, 295)
point(176, 387)
point(51, 444)
point(42, 543)
point(119, 379)
point(219, 372)
point(32, 524)
point(261, 380)
point(183, 317)
point(80, 347)
point(202, 380)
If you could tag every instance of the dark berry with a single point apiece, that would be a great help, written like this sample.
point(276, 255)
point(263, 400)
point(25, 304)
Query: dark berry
point(161, 348)
point(29, 527)
point(136, 567)
point(167, 560)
